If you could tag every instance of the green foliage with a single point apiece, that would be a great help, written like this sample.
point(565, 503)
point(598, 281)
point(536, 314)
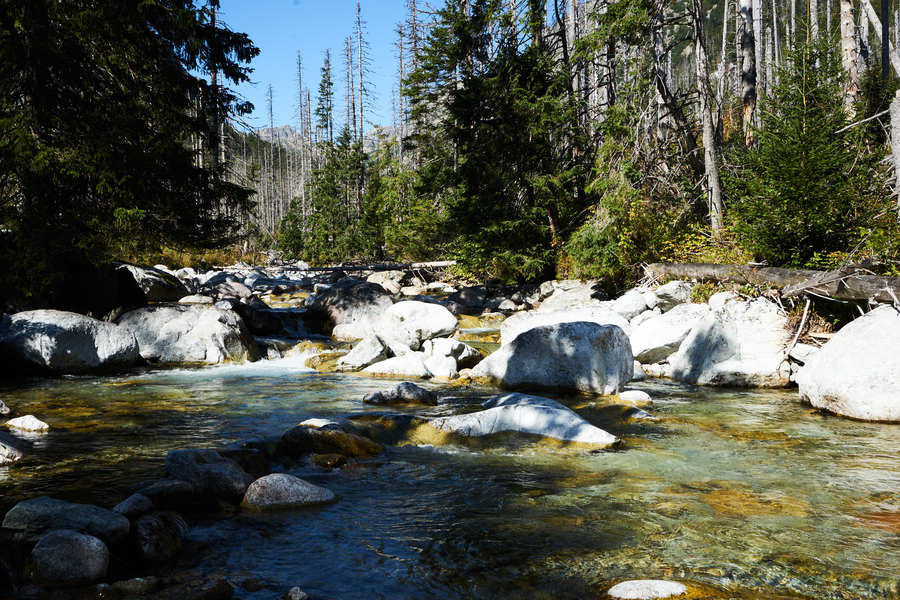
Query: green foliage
point(804, 190)
point(97, 102)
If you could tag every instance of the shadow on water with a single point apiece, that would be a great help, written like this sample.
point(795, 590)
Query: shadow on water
point(748, 492)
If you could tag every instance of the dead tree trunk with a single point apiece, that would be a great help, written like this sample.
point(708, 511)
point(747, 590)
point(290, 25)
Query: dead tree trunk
point(813, 16)
point(748, 69)
point(849, 58)
point(891, 54)
point(713, 185)
point(895, 145)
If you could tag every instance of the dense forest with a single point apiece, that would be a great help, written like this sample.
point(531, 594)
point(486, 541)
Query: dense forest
point(529, 139)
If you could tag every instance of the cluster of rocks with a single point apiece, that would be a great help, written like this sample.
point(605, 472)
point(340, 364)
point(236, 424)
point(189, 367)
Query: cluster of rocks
point(50, 544)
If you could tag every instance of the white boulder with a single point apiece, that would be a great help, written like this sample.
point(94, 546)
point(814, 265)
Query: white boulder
point(646, 589)
point(526, 414)
point(857, 373)
point(465, 355)
point(347, 309)
point(630, 304)
point(412, 322)
point(672, 294)
point(280, 490)
point(28, 423)
point(368, 351)
point(444, 367)
point(66, 342)
point(741, 344)
point(718, 300)
point(523, 321)
point(657, 338)
point(411, 364)
point(579, 356)
point(189, 333)
point(572, 294)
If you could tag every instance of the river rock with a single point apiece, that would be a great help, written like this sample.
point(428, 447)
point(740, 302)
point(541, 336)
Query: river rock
point(523, 321)
point(573, 294)
point(638, 373)
point(11, 449)
point(643, 317)
point(857, 373)
point(295, 593)
point(465, 355)
point(569, 356)
point(280, 490)
point(657, 338)
point(196, 299)
point(403, 393)
point(157, 285)
point(185, 333)
point(672, 294)
point(4, 409)
point(526, 414)
point(718, 300)
point(134, 506)
point(636, 397)
point(28, 423)
point(631, 304)
point(209, 472)
point(412, 322)
point(308, 440)
point(470, 300)
point(30, 519)
point(391, 281)
point(168, 494)
point(352, 305)
point(411, 364)
point(64, 558)
point(65, 342)
point(368, 351)
point(158, 536)
point(443, 367)
point(646, 589)
point(740, 344)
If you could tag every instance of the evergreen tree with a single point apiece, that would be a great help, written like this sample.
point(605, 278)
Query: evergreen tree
point(325, 104)
point(809, 184)
point(98, 103)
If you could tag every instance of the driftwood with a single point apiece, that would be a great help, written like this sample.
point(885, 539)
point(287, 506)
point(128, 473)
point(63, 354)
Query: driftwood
point(850, 283)
point(441, 264)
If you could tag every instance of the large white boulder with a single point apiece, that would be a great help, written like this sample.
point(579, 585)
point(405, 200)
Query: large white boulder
point(368, 351)
point(348, 309)
point(672, 294)
point(66, 342)
point(526, 414)
point(189, 333)
point(158, 285)
point(602, 314)
point(740, 344)
point(465, 355)
point(579, 356)
point(658, 337)
point(412, 322)
point(411, 364)
point(630, 304)
point(573, 294)
point(391, 281)
point(857, 373)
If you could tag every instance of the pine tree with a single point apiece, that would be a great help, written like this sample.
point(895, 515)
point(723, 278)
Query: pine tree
point(325, 104)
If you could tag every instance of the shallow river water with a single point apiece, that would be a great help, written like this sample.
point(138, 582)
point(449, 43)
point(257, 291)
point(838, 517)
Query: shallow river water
point(742, 494)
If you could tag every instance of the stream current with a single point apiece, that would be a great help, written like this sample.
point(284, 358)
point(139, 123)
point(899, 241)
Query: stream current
point(743, 494)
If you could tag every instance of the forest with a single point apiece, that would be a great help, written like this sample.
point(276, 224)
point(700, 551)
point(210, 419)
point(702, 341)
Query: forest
point(529, 139)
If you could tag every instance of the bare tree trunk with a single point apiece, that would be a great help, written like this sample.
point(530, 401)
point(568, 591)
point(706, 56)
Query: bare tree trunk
point(828, 17)
point(895, 145)
point(885, 39)
point(770, 71)
point(873, 18)
point(359, 67)
point(713, 185)
point(722, 69)
point(663, 120)
point(849, 58)
point(775, 32)
point(758, 48)
point(813, 16)
point(748, 70)
point(793, 22)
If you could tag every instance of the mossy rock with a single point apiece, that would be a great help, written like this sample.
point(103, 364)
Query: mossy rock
point(326, 362)
point(308, 440)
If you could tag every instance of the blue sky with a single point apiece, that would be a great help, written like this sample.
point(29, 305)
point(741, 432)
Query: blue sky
point(282, 27)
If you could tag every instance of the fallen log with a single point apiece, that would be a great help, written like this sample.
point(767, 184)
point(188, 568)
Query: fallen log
point(440, 264)
point(851, 283)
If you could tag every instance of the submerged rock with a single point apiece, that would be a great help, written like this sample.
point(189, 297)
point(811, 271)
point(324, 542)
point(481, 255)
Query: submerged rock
point(209, 472)
point(190, 333)
point(158, 536)
point(857, 373)
point(308, 440)
point(646, 589)
point(526, 414)
point(571, 356)
point(28, 423)
point(740, 344)
point(65, 342)
point(405, 392)
point(30, 519)
point(280, 491)
point(63, 558)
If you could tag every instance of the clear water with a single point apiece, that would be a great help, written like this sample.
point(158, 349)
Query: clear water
point(740, 494)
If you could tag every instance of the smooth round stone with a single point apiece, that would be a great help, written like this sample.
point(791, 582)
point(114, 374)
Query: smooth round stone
point(636, 397)
point(646, 589)
point(27, 423)
point(64, 557)
point(280, 490)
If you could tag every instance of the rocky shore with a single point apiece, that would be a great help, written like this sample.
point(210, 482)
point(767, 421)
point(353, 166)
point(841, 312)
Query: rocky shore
point(560, 336)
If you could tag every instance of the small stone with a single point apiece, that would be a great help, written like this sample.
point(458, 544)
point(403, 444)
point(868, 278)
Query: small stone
point(646, 589)
point(133, 506)
point(11, 449)
point(636, 397)
point(139, 586)
point(280, 490)
point(406, 392)
point(63, 557)
point(4, 409)
point(296, 593)
point(28, 423)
